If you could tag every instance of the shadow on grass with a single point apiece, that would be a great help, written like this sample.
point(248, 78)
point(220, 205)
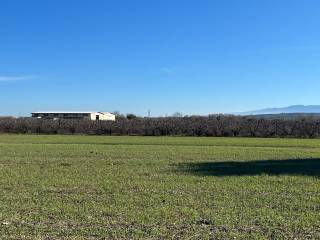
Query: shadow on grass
point(309, 167)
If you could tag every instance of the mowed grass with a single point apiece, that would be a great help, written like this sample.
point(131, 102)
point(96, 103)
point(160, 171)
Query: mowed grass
point(94, 187)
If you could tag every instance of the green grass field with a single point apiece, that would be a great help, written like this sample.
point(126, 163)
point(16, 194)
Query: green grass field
point(88, 187)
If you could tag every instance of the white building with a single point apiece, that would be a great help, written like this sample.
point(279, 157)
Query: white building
point(103, 116)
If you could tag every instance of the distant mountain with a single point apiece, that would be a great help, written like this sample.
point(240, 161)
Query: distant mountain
point(291, 109)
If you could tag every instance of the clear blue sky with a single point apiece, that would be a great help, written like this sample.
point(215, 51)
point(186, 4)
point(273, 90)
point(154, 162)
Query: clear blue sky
point(196, 57)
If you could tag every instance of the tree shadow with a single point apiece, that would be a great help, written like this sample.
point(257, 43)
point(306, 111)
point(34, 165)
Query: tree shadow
point(308, 167)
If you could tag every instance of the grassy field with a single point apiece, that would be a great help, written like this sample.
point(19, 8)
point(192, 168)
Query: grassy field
point(85, 187)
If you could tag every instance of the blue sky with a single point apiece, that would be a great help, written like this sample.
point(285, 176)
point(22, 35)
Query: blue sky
point(195, 57)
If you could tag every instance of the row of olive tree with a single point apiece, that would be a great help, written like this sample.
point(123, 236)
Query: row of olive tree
point(216, 126)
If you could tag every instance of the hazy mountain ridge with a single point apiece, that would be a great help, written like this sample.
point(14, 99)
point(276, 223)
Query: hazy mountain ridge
point(290, 109)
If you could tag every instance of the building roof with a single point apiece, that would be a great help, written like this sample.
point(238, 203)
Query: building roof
point(57, 112)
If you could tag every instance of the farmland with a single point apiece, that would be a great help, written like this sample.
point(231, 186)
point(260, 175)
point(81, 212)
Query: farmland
point(97, 187)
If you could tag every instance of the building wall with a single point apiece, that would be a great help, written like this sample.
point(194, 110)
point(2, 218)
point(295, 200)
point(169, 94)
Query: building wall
point(103, 116)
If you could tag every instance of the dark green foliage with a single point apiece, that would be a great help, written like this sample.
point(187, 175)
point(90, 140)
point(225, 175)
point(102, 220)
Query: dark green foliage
point(131, 116)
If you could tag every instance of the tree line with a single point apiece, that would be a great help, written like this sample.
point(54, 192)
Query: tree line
point(211, 126)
